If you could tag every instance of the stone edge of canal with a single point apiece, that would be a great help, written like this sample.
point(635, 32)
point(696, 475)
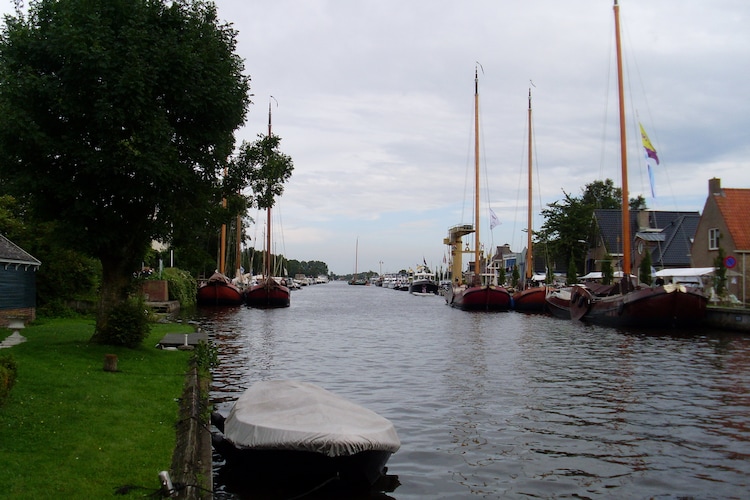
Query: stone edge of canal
point(192, 460)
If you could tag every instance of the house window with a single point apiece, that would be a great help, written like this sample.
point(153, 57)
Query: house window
point(713, 238)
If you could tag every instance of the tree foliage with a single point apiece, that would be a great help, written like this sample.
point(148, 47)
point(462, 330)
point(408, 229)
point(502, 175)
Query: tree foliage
point(66, 276)
point(571, 277)
point(308, 268)
point(118, 119)
point(265, 167)
point(608, 270)
point(720, 272)
point(569, 223)
point(644, 270)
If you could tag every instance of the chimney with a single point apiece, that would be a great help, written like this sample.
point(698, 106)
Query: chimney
point(714, 186)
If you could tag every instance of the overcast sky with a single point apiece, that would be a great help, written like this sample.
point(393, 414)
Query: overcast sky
point(375, 107)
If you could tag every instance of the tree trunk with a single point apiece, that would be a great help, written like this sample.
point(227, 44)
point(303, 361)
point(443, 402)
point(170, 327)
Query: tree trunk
point(114, 290)
point(110, 362)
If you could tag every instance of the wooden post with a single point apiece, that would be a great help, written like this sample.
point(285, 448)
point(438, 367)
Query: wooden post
point(110, 362)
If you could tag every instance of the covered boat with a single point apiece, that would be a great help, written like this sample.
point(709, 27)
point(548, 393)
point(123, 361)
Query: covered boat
point(291, 430)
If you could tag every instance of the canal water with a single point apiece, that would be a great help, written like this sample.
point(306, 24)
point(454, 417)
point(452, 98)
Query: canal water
point(506, 405)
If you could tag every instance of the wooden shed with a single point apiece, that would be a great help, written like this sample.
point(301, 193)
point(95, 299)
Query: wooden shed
point(17, 283)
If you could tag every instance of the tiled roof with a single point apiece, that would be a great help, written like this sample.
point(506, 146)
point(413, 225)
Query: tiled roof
point(676, 231)
point(679, 234)
point(734, 205)
point(610, 227)
point(13, 254)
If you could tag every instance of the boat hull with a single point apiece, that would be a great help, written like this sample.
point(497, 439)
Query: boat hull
point(297, 431)
point(219, 292)
point(423, 288)
point(358, 471)
point(268, 294)
point(558, 303)
point(660, 307)
point(479, 298)
point(531, 300)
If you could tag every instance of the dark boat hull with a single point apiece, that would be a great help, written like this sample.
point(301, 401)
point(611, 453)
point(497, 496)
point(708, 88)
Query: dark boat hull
point(479, 298)
point(558, 303)
point(660, 307)
point(357, 471)
point(219, 294)
point(423, 288)
point(268, 295)
point(531, 300)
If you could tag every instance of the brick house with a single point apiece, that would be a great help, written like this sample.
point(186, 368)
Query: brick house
point(17, 283)
point(725, 223)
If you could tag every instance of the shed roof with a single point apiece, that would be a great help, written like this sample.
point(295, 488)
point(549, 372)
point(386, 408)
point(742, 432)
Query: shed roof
point(10, 253)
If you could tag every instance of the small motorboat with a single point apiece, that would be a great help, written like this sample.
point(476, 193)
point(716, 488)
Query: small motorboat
point(285, 430)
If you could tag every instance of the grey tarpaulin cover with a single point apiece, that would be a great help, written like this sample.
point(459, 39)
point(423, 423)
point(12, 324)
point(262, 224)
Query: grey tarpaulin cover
point(293, 415)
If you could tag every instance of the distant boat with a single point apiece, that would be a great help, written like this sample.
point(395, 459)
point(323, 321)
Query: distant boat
point(627, 304)
point(532, 296)
point(292, 431)
point(269, 292)
point(423, 282)
point(474, 295)
point(218, 290)
point(356, 280)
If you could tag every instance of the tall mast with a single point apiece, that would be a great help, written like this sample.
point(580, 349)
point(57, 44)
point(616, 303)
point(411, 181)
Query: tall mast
point(268, 210)
point(623, 151)
point(223, 247)
point(239, 240)
point(529, 256)
point(477, 275)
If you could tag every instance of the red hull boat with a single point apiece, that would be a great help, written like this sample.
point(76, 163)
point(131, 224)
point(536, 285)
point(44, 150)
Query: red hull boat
point(479, 298)
point(268, 294)
point(219, 291)
point(531, 300)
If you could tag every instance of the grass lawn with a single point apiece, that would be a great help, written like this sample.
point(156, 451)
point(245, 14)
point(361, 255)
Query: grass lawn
point(71, 430)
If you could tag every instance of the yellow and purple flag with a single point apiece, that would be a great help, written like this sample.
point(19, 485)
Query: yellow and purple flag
point(650, 150)
point(650, 153)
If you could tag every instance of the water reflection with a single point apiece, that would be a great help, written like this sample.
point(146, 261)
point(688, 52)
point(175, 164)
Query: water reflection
point(506, 404)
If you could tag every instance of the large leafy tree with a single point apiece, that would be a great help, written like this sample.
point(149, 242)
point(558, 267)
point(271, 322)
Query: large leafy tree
point(118, 117)
point(569, 224)
point(265, 167)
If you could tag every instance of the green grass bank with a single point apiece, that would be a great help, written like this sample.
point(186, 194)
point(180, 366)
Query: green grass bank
point(70, 429)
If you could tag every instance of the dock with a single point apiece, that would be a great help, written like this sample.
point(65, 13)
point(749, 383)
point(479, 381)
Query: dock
point(182, 340)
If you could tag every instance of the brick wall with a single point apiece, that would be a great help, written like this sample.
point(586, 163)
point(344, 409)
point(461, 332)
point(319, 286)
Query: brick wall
point(156, 290)
point(26, 315)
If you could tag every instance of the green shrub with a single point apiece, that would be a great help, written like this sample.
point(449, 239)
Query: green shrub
point(182, 286)
point(127, 325)
point(8, 371)
point(206, 356)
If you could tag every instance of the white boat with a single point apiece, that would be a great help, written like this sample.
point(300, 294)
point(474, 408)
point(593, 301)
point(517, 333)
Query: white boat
point(423, 282)
point(292, 430)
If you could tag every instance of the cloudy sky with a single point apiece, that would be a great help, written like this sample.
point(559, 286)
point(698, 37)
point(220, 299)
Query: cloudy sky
point(375, 106)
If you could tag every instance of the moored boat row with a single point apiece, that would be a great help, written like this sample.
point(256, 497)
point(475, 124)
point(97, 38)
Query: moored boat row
point(219, 290)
